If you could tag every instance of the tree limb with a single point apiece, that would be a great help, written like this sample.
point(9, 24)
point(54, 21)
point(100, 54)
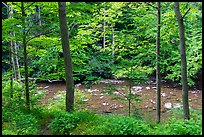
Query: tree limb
point(4, 4)
point(29, 6)
point(186, 13)
point(74, 24)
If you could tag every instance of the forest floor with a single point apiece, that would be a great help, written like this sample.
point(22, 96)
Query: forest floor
point(171, 96)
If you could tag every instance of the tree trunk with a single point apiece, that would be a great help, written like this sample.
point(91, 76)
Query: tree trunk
point(158, 77)
point(183, 61)
point(104, 30)
point(113, 42)
point(25, 57)
point(11, 76)
point(67, 57)
point(38, 15)
point(16, 62)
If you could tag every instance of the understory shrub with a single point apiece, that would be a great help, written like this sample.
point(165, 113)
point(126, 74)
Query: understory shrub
point(20, 123)
point(64, 122)
point(118, 125)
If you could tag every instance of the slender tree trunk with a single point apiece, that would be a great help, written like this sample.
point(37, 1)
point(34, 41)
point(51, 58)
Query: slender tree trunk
point(104, 30)
point(25, 57)
point(67, 57)
point(13, 68)
point(158, 77)
point(16, 62)
point(14, 51)
point(9, 11)
point(11, 76)
point(38, 15)
point(183, 61)
point(12, 60)
point(113, 42)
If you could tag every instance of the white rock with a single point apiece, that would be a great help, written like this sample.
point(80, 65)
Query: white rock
point(101, 97)
point(121, 106)
point(163, 94)
point(135, 92)
point(152, 101)
point(105, 104)
point(46, 87)
point(77, 85)
point(168, 105)
point(116, 93)
point(137, 88)
point(94, 90)
point(147, 88)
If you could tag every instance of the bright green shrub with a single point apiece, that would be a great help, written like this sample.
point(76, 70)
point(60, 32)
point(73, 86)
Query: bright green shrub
point(119, 125)
point(63, 123)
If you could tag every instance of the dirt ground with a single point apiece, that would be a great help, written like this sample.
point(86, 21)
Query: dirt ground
point(171, 96)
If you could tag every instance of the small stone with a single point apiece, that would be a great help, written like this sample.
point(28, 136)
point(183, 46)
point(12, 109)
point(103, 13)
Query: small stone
point(163, 94)
point(193, 92)
point(152, 101)
point(168, 105)
point(46, 87)
point(190, 99)
point(105, 104)
point(154, 87)
point(147, 88)
point(77, 85)
point(137, 88)
point(121, 106)
point(116, 93)
point(101, 97)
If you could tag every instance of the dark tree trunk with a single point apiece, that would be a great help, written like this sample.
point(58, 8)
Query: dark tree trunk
point(158, 77)
point(25, 57)
point(67, 57)
point(104, 30)
point(183, 61)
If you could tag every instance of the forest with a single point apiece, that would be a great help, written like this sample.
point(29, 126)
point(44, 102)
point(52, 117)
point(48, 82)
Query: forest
point(101, 68)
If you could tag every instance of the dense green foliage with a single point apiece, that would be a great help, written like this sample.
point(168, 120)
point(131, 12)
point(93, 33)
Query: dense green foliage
point(134, 26)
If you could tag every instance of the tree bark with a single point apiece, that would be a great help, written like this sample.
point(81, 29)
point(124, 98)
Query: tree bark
point(158, 77)
point(25, 57)
point(183, 61)
point(113, 42)
point(11, 75)
point(104, 30)
point(16, 61)
point(38, 15)
point(67, 57)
